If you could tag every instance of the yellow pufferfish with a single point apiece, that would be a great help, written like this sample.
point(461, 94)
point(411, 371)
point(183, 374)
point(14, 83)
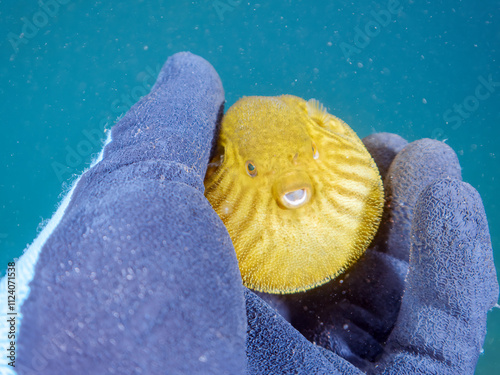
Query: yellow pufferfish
point(297, 190)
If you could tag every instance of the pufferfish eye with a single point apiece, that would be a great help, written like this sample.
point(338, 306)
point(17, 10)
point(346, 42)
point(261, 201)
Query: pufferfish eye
point(251, 168)
point(315, 151)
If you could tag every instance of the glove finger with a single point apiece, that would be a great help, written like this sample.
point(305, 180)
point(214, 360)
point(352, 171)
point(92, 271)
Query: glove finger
point(450, 287)
point(176, 122)
point(413, 169)
point(383, 147)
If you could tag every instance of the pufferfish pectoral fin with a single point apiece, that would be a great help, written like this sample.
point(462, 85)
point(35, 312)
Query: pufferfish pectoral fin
point(317, 111)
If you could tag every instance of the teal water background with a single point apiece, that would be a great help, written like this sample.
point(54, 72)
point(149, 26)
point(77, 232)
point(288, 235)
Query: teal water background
point(82, 64)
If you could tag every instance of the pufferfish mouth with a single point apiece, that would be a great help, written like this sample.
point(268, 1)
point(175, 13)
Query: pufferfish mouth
point(296, 198)
point(293, 189)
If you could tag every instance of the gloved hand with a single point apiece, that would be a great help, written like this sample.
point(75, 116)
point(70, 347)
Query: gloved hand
point(135, 273)
point(415, 303)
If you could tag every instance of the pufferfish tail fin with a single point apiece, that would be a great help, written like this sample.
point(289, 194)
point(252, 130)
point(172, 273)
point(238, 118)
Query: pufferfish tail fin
point(317, 112)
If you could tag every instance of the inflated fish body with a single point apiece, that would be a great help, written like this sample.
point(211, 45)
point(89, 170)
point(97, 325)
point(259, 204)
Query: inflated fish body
point(299, 193)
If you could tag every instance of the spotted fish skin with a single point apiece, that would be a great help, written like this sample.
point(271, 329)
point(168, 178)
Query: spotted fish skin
point(297, 190)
